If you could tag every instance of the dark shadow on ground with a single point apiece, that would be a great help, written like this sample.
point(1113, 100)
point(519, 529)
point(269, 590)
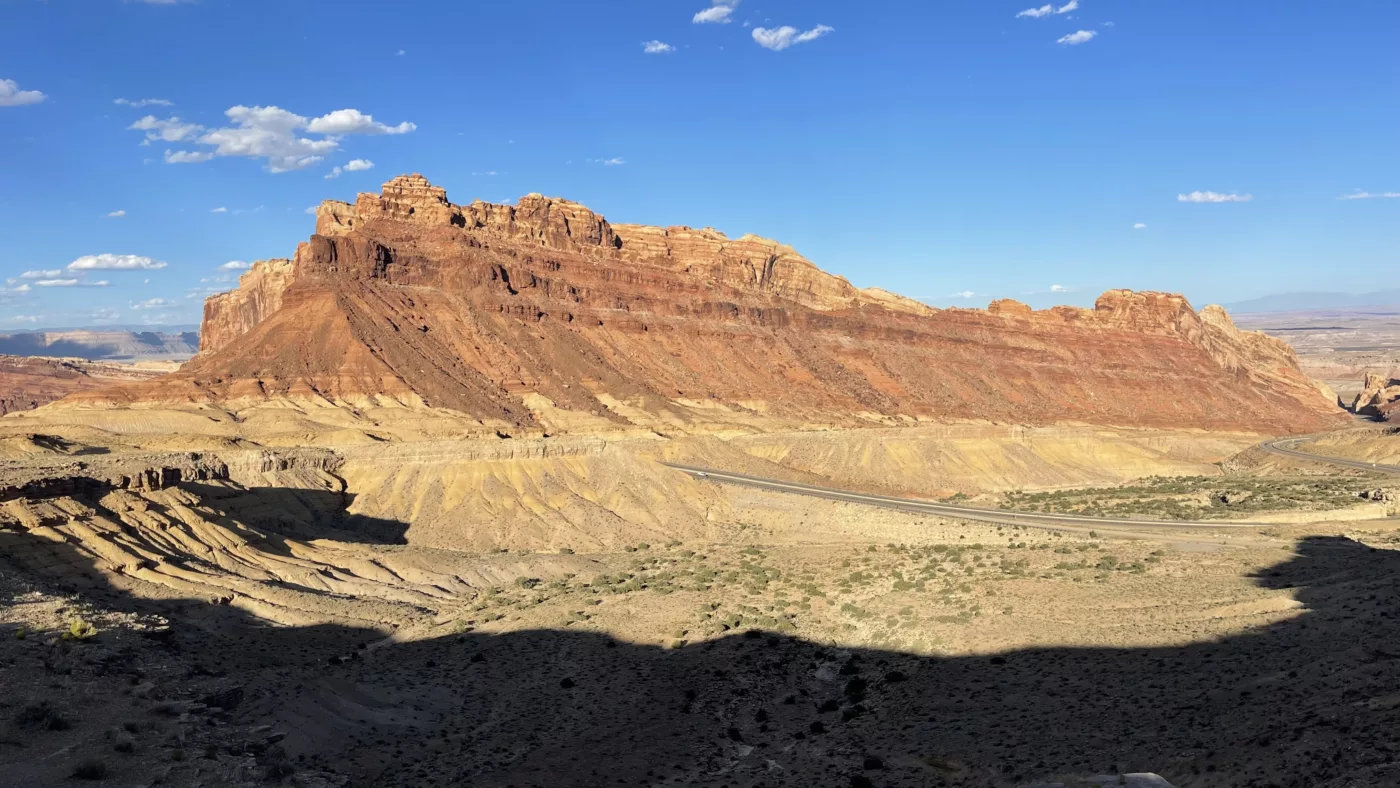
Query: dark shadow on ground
point(296, 513)
point(1299, 703)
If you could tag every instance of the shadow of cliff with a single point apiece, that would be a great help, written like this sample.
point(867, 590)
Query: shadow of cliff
point(283, 513)
point(1293, 704)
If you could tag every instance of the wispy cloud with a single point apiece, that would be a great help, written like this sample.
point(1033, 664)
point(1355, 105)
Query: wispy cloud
point(220, 209)
point(1213, 197)
point(718, 14)
point(71, 283)
point(152, 303)
point(654, 47)
point(964, 294)
point(171, 129)
point(1059, 289)
point(235, 265)
point(116, 214)
point(1370, 196)
point(138, 103)
point(616, 161)
point(1047, 9)
point(780, 38)
point(51, 273)
point(115, 262)
point(1140, 226)
point(1078, 37)
point(12, 96)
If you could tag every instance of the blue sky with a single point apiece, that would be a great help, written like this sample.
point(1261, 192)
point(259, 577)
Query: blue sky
point(950, 151)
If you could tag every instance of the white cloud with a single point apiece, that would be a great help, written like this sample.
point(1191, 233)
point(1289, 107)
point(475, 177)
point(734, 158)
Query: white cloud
point(12, 96)
point(354, 165)
point(1077, 37)
point(105, 315)
point(400, 53)
point(5, 291)
point(719, 13)
point(115, 262)
point(1370, 196)
point(313, 209)
point(657, 47)
point(138, 103)
point(152, 303)
point(613, 162)
point(1059, 289)
point(964, 294)
point(70, 283)
point(171, 129)
point(220, 209)
point(1213, 197)
point(21, 318)
point(352, 121)
point(116, 214)
point(780, 38)
point(46, 274)
point(235, 265)
point(269, 133)
point(186, 157)
point(1139, 226)
point(1047, 10)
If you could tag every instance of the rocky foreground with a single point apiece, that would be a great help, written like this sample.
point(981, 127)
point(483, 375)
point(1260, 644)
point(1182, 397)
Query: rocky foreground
point(503, 312)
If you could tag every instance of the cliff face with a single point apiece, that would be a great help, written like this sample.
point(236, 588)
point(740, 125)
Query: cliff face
point(481, 307)
point(228, 316)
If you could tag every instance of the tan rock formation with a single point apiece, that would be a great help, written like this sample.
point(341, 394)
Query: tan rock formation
point(487, 308)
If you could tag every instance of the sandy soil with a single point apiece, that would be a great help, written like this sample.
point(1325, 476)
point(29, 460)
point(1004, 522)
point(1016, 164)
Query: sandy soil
point(521, 615)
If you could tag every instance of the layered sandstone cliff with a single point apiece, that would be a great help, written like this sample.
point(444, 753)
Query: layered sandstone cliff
point(486, 308)
point(26, 382)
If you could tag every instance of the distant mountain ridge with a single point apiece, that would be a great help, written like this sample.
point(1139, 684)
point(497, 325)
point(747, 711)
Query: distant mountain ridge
point(102, 344)
point(1292, 302)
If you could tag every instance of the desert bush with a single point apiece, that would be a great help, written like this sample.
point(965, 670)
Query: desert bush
point(91, 769)
point(42, 716)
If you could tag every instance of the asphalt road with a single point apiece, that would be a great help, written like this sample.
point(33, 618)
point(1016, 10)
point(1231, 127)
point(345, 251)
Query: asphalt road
point(1282, 446)
point(1285, 447)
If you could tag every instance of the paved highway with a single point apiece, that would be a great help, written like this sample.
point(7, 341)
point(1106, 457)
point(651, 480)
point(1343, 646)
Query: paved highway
point(1282, 446)
point(1286, 447)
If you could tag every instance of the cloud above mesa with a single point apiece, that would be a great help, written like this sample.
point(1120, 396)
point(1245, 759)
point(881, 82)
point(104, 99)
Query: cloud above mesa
point(272, 134)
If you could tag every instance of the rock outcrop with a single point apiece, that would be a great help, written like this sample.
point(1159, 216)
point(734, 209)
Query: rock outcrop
point(1378, 395)
point(26, 382)
point(486, 308)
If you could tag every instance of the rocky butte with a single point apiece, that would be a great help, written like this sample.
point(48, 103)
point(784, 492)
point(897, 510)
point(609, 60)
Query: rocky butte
point(485, 309)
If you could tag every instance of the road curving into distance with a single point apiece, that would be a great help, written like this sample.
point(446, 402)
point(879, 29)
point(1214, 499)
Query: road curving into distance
point(1283, 446)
